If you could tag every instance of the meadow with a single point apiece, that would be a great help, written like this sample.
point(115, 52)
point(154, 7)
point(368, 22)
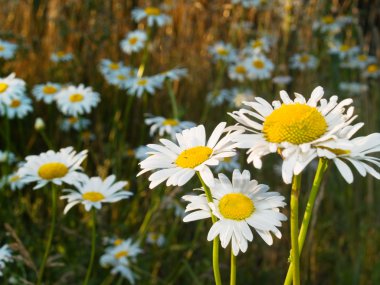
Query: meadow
point(123, 122)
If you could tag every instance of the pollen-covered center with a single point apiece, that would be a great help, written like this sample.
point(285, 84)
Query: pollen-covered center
point(295, 123)
point(133, 40)
point(74, 98)
point(52, 170)
point(49, 90)
point(259, 64)
point(240, 69)
point(304, 58)
point(2, 48)
point(93, 196)
point(192, 157)
point(121, 254)
point(152, 11)
point(15, 103)
point(142, 82)
point(236, 206)
point(170, 122)
point(328, 19)
point(3, 87)
point(372, 68)
point(222, 51)
point(113, 66)
point(257, 44)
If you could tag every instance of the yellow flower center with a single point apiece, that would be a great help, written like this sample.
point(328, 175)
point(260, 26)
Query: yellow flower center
point(74, 98)
point(304, 58)
point(113, 66)
point(344, 48)
point(3, 87)
point(240, 69)
point(257, 44)
point(73, 120)
point(60, 53)
point(236, 206)
point(52, 170)
point(362, 57)
point(121, 254)
point(152, 11)
point(121, 77)
point(295, 123)
point(222, 51)
point(192, 157)
point(117, 241)
point(259, 64)
point(227, 159)
point(142, 82)
point(170, 122)
point(93, 196)
point(14, 178)
point(372, 68)
point(328, 20)
point(48, 89)
point(2, 48)
point(15, 103)
point(133, 40)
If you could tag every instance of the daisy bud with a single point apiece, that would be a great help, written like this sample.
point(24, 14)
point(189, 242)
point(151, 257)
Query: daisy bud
point(39, 124)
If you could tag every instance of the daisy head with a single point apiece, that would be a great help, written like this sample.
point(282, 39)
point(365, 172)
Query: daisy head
point(372, 71)
point(138, 86)
point(177, 163)
point(155, 239)
point(238, 72)
point(17, 107)
point(15, 182)
point(7, 49)
point(11, 88)
point(259, 67)
point(94, 191)
point(107, 66)
point(238, 205)
point(167, 126)
point(175, 74)
point(75, 123)
point(219, 97)
point(120, 77)
point(5, 257)
point(55, 167)
point(46, 92)
point(133, 42)
point(153, 16)
point(61, 56)
point(303, 61)
point(223, 52)
point(77, 100)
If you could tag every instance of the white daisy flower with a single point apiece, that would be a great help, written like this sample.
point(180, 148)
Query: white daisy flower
point(167, 126)
point(353, 88)
point(282, 79)
point(296, 129)
point(141, 152)
point(228, 164)
point(94, 191)
point(259, 67)
point(7, 157)
point(222, 51)
point(251, 3)
point(137, 86)
point(108, 66)
point(11, 88)
point(133, 42)
point(153, 15)
point(75, 123)
point(7, 49)
point(303, 61)
point(238, 205)
point(178, 163)
point(328, 24)
point(17, 108)
point(344, 50)
point(257, 46)
point(77, 100)
point(155, 239)
point(175, 73)
point(238, 72)
point(360, 61)
point(46, 92)
point(372, 71)
point(61, 56)
point(241, 95)
point(217, 98)
point(15, 182)
point(120, 77)
point(5, 257)
point(56, 167)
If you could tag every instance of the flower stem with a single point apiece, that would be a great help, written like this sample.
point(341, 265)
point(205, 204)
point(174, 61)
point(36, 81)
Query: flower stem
point(51, 234)
point(295, 256)
point(322, 167)
point(172, 99)
point(93, 247)
point(233, 269)
point(215, 245)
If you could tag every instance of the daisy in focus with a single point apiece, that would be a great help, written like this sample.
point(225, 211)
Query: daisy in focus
point(303, 61)
point(61, 56)
point(18, 107)
point(138, 86)
point(7, 49)
point(11, 88)
point(94, 191)
point(153, 15)
point(133, 42)
point(177, 164)
point(46, 92)
point(77, 100)
point(238, 205)
point(5, 257)
point(167, 126)
point(55, 167)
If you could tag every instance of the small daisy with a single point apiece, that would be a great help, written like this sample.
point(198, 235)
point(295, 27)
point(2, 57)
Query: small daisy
point(75, 123)
point(259, 67)
point(155, 239)
point(15, 182)
point(61, 56)
point(258, 46)
point(372, 71)
point(241, 95)
point(217, 98)
point(344, 50)
point(77, 100)
point(107, 66)
point(133, 42)
point(238, 205)
point(94, 191)
point(141, 152)
point(5, 257)
point(120, 77)
point(178, 163)
point(7, 157)
point(282, 80)
point(166, 126)
point(137, 86)
point(328, 24)
point(11, 88)
point(360, 61)
point(17, 108)
point(228, 164)
point(353, 88)
point(56, 167)
point(7, 49)
point(46, 92)
point(303, 61)
point(238, 72)
point(222, 51)
point(175, 74)
point(153, 15)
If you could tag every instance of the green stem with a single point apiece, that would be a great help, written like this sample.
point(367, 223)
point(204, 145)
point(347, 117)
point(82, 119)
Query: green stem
point(233, 269)
point(46, 139)
point(215, 245)
point(295, 255)
point(93, 247)
point(172, 99)
point(51, 234)
point(322, 167)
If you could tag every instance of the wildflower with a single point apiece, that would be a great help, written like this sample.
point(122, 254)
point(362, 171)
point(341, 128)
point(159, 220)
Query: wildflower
point(344, 50)
point(259, 67)
point(153, 15)
point(372, 71)
point(7, 49)
point(75, 123)
point(155, 239)
point(133, 42)
point(238, 72)
point(241, 95)
point(121, 77)
point(167, 126)
point(222, 51)
point(11, 88)
point(353, 88)
point(61, 56)
point(137, 86)
point(107, 66)
point(228, 164)
point(18, 107)
point(46, 92)
point(303, 61)
point(5, 257)
point(15, 182)
point(360, 61)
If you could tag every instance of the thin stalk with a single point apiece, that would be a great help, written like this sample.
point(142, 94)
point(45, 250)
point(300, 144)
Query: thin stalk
point(46, 139)
point(322, 167)
point(51, 234)
point(215, 245)
point(172, 99)
point(233, 269)
point(93, 247)
point(7, 131)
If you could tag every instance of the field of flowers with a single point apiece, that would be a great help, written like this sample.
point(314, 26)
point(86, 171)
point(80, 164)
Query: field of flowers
point(189, 142)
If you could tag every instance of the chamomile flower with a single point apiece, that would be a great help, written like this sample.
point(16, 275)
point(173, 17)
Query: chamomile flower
point(77, 100)
point(238, 205)
point(15, 182)
point(108, 66)
point(178, 163)
point(259, 67)
point(7, 49)
point(155, 239)
point(141, 152)
point(153, 15)
point(18, 107)
point(257, 46)
point(94, 191)
point(303, 61)
point(55, 167)
point(217, 98)
point(137, 86)
point(328, 24)
point(282, 80)
point(167, 126)
point(238, 72)
point(372, 71)
point(224, 52)
point(241, 95)
point(228, 164)
point(75, 123)
point(5, 257)
point(46, 92)
point(133, 42)
point(175, 74)
point(360, 61)
point(61, 56)
point(121, 77)
point(353, 88)
point(7, 157)
point(344, 50)
point(11, 88)
point(296, 129)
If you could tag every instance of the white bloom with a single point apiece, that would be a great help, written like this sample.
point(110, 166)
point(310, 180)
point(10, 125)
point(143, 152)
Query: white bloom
point(155, 239)
point(15, 182)
point(61, 56)
point(137, 86)
point(257, 46)
point(107, 66)
point(328, 24)
point(7, 49)
point(222, 51)
point(360, 61)
point(344, 50)
point(241, 95)
point(133, 42)
point(153, 15)
point(282, 80)
point(11, 88)
point(18, 107)
point(217, 98)
point(353, 88)
point(141, 152)
point(46, 92)
point(372, 71)
point(75, 123)
point(164, 126)
point(121, 77)
point(238, 72)
point(175, 74)
point(303, 61)
point(228, 164)
point(259, 67)
point(5, 257)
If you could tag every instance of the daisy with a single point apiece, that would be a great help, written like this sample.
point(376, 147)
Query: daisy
point(303, 61)
point(238, 72)
point(282, 79)
point(241, 95)
point(11, 88)
point(155, 239)
point(175, 74)
point(56, 167)
point(353, 88)
point(217, 98)
point(137, 86)
point(344, 50)
point(238, 205)
point(7, 157)
point(75, 123)
point(107, 66)
point(120, 77)
point(94, 191)
point(360, 61)
point(259, 67)
point(46, 92)
point(296, 129)
point(153, 15)
point(222, 51)
point(7, 49)
point(178, 163)
point(15, 182)
point(133, 42)
point(258, 46)
point(5, 257)
point(372, 71)
point(77, 100)
point(167, 126)
point(328, 23)
point(61, 56)
point(17, 108)
point(141, 152)
point(228, 164)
